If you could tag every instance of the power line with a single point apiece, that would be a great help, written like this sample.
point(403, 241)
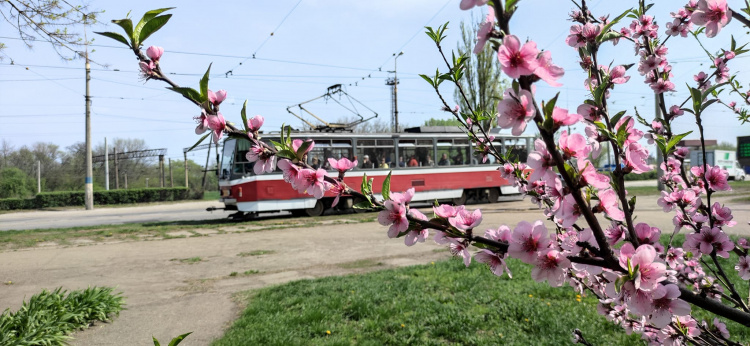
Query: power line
point(264, 41)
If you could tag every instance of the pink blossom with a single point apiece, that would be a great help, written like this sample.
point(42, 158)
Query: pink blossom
point(502, 233)
point(469, 4)
point(662, 86)
point(609, 203)
point(635, 158)
point(342, 165)
point(417, 234)
point(561, 117)
point(297, 143)
point(708, 240)
point(666, 201)
point(485, 30)
point(395, 216)
point(674, 112)
point(547, 71)
point(495, 261)
point(573, 145)
point(743, 267)
point(717, 178)
point(403, 198)
point(516, 60)
point(569, 211)
point(458, 248)
point(575, 39)
point(714, 14)
point(447, 211)
point(648, 235)
point(217, 124)
point(721, 328)
point(264, 161)
point(722, 215)
point(154, 53)
point(588, 112)
point(527, 240)
point(202, 123)
point(312, 182)
point(642, 260)
point(291, 173)
point(550, 265)
point(674, 257)
point(617, 75)
point(465, 220)
point(338, 190)
point(147, 69)
point(515, 110)
point(591, 31)
point(591, 176)
point(540, 161)
point(254, 123)
point(666, 304)
point(217, 97)
point(615, 233)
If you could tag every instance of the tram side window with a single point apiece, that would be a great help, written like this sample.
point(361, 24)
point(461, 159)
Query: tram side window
point(453, 155)
point(319, 155)
point(227, 158)
point(381, 155)
point(416, 157)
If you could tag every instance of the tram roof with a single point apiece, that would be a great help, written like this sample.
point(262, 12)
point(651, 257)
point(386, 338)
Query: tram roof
point(415, 132)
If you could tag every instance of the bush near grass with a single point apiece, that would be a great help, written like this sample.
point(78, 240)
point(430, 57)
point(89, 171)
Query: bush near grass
point(442, 303)
point(76, 198)
point(49, 317)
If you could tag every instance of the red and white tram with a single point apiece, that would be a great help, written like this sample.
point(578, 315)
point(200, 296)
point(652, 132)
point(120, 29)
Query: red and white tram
point(437, 161)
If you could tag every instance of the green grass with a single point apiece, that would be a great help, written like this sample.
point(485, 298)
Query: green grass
point(251, 272)
point(442, 303)
point(211, 195)
point(364, 263)
point(191, 260)
point(49, 317)
point(738, 187)
point(256, 253)
point(437, 304)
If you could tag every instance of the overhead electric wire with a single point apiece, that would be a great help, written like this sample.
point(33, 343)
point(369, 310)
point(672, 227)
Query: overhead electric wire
point(230, 72)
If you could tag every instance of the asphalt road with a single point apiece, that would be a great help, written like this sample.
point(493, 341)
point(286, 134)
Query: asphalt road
point(110, 216)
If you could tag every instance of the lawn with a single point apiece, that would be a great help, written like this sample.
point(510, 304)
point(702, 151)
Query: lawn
point(439, 303)
point(739, 188)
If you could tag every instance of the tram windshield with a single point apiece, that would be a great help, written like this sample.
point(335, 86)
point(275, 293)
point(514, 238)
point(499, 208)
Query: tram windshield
point(227, 159)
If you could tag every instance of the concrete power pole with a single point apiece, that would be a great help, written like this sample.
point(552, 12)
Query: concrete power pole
point(659, 158)
point(117, 172)
point(187, 186)
point(89, 191)
point(106, 164)
point(161, 169)
point(171, 178)
point(38, 176)
point(394, 83)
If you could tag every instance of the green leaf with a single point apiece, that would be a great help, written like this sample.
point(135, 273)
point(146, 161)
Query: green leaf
point(188, 93)
point(386, 191)
point(708, 103)
point(277, 145)
point(115, 36)
point(676, 139)
point(511, 5)
point(550, 106)
point(710, 90)
point(204, 84)
point(152, 26)
point(616, 118)
point(243, 114)
point(156, 342)
point(177, 340)
point(199, 141)
point(366, 204)
point(287, 154)
point(303, 148)
point(609, 25)
point(697, 97)
point(127, 25)
point(662, 145)
point(148, 16)
point(428, 79)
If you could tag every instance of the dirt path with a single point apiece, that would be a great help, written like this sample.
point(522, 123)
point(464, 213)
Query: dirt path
point(179, 285)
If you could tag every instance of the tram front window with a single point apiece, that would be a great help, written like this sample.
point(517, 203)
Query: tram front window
point(227, 159)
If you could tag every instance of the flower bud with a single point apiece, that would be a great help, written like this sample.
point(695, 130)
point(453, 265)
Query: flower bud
point(154, 53)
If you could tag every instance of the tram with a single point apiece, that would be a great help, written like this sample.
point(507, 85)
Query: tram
point(438, 162)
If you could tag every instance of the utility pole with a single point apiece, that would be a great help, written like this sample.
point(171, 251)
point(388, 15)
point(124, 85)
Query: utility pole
point(659, 158)
point(147, 183)
point(117, 172)
point(394, 84)
point(89, 190)
point(106, 164)
point(126, 181)
point(187, 186)
point(171, 178)
point(38, 176)
point(205, 169)
point(161, 169)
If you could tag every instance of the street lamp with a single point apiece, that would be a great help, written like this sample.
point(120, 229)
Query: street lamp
point(395, 90)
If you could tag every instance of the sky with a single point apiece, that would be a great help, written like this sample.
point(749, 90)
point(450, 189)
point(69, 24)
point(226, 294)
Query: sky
point(315, 44)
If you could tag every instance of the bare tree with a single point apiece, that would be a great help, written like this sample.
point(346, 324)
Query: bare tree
point(51, 21)
point(482, 81)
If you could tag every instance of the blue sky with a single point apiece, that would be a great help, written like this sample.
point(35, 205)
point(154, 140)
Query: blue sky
point(321, 43)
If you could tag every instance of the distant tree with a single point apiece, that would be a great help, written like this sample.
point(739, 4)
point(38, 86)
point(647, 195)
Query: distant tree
point(482, 81)
point(6, 148)
point(52, 21)
point(14, 183)
point(441, 122)
point(723, 146)
point(376, 125)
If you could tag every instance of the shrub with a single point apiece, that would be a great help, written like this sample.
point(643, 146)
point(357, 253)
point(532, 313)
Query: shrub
point(76, 198)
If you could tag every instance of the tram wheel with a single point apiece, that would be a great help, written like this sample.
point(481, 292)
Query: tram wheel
point(317, 210)
point(493, 195)
point(460, 200)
